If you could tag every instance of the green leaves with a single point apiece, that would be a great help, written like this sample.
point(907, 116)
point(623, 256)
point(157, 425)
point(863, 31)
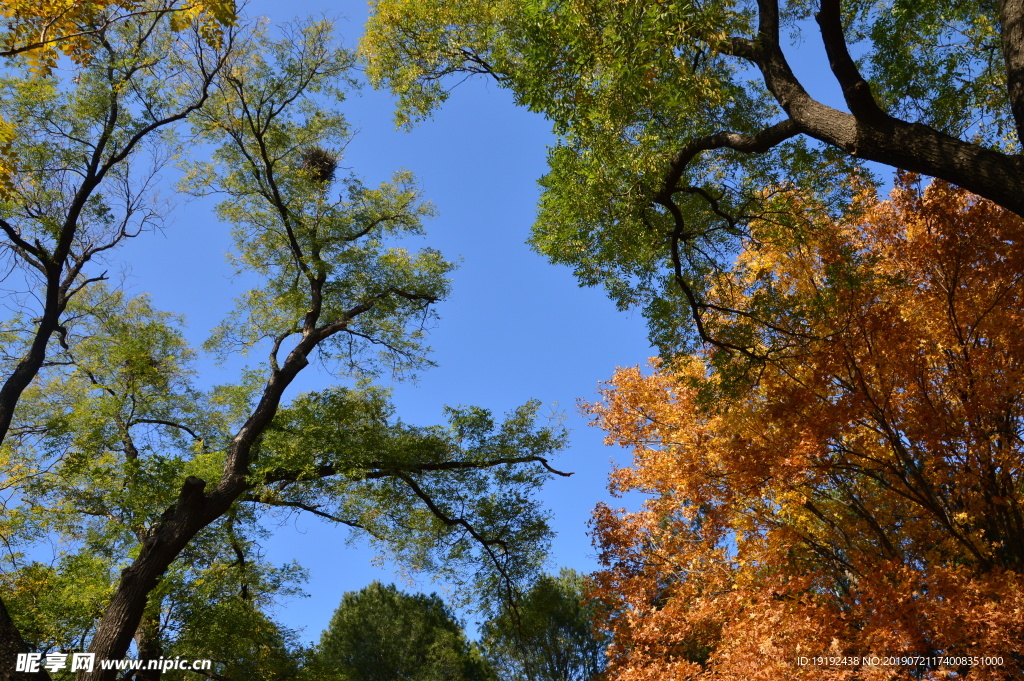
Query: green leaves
point(939, 64)
point(55, 605)
point(125, 465)
point(111, 431)
point(380, 633)
point(550, 635)
point(329, 264)
point(663, 165)
point(456, 501)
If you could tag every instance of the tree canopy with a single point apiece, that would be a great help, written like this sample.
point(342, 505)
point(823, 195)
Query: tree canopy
point(831, 442)
point(550, 635)
point(38, 32)
point(680, 123)
point(88, 155)
point(831, 451)
point(150, 485)
point(380, 633)
point(858, 494)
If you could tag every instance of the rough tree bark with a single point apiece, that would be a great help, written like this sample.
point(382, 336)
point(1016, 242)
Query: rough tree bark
point(867, 131)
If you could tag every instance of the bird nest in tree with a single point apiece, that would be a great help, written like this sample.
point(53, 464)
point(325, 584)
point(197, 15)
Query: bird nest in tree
point(319, 163)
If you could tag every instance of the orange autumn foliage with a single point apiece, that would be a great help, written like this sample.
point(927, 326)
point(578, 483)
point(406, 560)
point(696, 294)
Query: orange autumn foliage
point(858, 491)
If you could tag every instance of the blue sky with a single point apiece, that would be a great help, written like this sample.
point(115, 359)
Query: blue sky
point(515, 327)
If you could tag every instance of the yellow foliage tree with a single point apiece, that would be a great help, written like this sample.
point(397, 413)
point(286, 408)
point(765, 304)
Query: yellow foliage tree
point(847, 504)
point(40, 31)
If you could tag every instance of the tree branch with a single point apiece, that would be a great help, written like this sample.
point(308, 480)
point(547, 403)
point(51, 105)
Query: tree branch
point(445, 518)
point(1011, 23)
point(856, 90)
point(315, 510)
point(757, 143)
point(107, 23)
point(384, 469)
point(868, 132)
point(464, 465)
point(171, 424)
point(365, 306)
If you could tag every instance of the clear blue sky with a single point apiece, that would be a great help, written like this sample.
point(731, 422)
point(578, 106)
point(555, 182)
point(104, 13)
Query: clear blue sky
point(515, 327)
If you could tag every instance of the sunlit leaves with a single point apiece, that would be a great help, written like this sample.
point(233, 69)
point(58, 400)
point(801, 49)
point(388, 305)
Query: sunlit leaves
point(858, 488)
point(39, 32)
point(113, 432)
point(626, 85)
point(324, 255)
point(940, 64)
point(118, 452)
point(56, 605)
point(432, 497)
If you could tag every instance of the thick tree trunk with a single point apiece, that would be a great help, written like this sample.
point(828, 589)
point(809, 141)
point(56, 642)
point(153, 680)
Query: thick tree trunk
point(62, 269)
point(921, 149)
point(27, 369)
point(1011, 23)
point(870, 133)
point(194, 510)
point(11, 644)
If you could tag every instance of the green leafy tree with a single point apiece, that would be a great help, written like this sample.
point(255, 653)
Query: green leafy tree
point(154, 489)
point(550, 635)
point(681, 123)
point(380, 634)
point(85, 160)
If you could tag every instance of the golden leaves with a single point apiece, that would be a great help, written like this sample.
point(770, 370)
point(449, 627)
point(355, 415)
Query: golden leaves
point(860, 493)
point(40, 31)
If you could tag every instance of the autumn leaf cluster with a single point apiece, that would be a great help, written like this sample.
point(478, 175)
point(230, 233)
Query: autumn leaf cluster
point(853, 491)
point(40, 31)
